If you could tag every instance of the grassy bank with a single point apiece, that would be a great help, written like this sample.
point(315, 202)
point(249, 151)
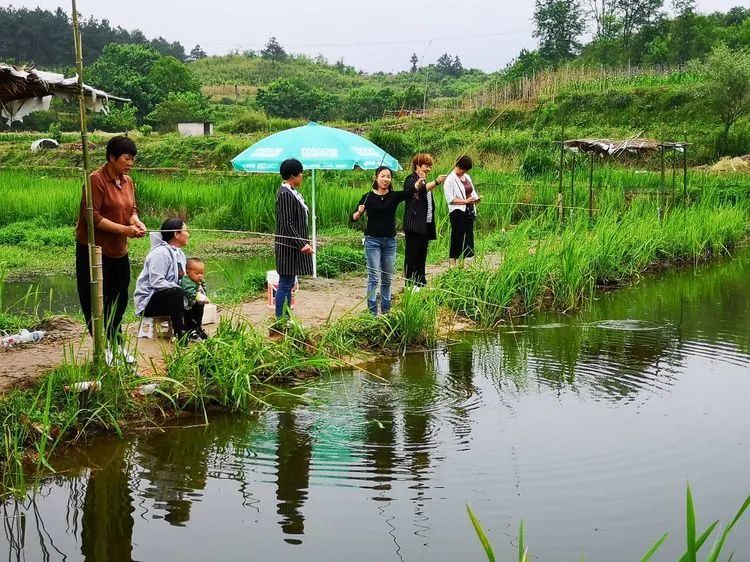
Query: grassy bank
point(544, 266)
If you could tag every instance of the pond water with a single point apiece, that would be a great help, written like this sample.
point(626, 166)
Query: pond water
point(58, 294)
point(586, 427)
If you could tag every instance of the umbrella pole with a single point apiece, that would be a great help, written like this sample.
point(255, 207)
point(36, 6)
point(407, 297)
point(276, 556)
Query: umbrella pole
point(314, 230)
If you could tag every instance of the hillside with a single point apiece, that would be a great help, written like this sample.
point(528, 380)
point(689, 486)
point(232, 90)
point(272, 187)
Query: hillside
point(243, 74)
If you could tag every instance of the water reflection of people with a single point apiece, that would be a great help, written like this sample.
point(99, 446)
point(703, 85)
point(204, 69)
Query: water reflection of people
point(293, 455)
point(107, 534)
point(419, 408)
point(379, 434)
point(176, 464)
point(459, 384)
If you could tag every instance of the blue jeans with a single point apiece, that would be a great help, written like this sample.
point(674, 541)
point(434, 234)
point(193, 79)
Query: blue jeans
point(284, 293)
point(381, 258)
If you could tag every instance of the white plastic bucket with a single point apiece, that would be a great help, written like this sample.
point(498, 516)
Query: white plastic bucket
point(272, 282)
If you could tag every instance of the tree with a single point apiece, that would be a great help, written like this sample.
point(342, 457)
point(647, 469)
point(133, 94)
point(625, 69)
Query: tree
point(123, 70)
point(366, 103)
point(603, 14)
point(449, 66)
point(634, 14)
point(414, 62)
point(170, 75)
point(117, 119)
point(179, 107)
point(46, 37)
point(170, 49)
point(197, 53)
point(558, 24)
point(727, 88)
point(296, 99)
point(273, 51)
point(140, 73)
point(458, 68)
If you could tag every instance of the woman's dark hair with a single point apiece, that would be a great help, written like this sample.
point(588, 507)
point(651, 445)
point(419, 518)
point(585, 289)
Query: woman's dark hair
point(290, 167)
point(377, 173)
point(464, 163)
point(119, 145)
point(169, 227)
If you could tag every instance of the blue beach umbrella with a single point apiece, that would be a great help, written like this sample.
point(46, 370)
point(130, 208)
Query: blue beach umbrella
point(318, 148)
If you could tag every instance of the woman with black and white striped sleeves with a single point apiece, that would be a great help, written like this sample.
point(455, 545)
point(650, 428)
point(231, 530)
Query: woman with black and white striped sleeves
point(292, 246)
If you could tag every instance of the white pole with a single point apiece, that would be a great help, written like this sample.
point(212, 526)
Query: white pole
point(314, 235)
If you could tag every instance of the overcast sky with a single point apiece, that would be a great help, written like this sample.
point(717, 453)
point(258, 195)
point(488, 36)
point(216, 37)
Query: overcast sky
point(372, 36)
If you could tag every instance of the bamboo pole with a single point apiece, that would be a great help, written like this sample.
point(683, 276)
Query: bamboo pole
point(572, 185)
point(562, 159)
point(661, 186)
point(591, 189)
point(684, 174)
point(97, 317)
point(98, 286)
point(674, 172)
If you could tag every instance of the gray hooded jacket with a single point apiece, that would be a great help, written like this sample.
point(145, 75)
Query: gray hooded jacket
point(161, 270)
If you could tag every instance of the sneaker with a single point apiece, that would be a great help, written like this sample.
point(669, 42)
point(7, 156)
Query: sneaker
point(127, 356)
point(109, 357)
point(201, 333)
point(194, 337)
point(120, 353)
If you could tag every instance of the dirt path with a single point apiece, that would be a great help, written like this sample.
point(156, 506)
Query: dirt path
point(317, 301)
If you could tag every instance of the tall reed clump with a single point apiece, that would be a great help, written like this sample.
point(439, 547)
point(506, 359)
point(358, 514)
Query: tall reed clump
point(238, 366)
point(412, 322)
point(561, 269)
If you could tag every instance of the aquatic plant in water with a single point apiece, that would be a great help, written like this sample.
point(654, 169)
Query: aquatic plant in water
point(694, 542)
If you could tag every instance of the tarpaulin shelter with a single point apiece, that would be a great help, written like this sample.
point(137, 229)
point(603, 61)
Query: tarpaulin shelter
point(25, 90)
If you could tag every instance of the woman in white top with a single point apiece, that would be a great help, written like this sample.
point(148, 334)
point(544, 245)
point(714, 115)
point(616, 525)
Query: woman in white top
point(462, 198)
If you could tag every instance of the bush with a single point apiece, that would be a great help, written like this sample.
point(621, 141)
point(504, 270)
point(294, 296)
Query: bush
point(116, 120)
point(248, 122)
point(334, 261)
point(13, 234)
point(296, 99)
point(394, 143)
point(54, 131)
point(738, 142)
point(255, 281)
point(537, 161)
point(181, 107)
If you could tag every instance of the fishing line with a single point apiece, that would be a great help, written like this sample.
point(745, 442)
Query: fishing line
point(408, 89)
point(344, 260)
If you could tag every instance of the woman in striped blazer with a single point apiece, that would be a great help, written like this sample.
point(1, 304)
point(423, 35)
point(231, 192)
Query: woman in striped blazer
point(292, 246)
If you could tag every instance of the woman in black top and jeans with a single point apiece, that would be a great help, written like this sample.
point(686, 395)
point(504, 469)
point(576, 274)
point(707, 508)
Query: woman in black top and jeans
point(419, 218)
point(380, 204)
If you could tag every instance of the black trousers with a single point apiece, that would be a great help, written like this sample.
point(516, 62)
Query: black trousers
point(116, 277)
point(415, 258)
point(170, 302)
point(462, 235)
point(194, 316)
